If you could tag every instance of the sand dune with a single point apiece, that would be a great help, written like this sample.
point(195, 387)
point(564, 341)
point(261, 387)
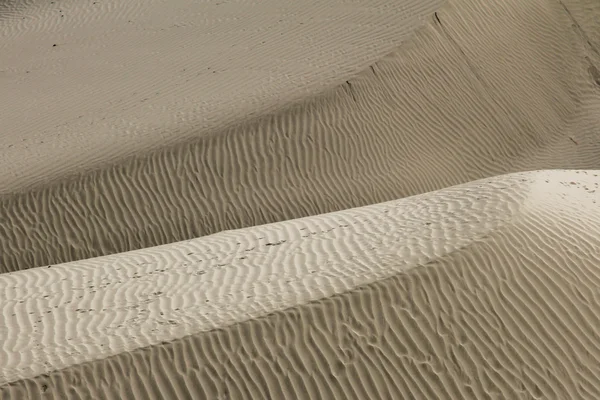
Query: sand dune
point(483, 290)
point(127, 125)
point(150, 123)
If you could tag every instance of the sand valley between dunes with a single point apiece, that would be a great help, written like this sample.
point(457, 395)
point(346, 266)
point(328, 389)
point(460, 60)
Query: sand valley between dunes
point(274, 199)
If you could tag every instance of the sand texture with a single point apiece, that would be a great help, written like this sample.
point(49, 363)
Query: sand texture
point(487, 290)
point(154, 122)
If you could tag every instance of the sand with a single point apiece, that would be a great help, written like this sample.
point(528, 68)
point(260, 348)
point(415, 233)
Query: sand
point(325, 199)
point(483, 290)
point(153, 122)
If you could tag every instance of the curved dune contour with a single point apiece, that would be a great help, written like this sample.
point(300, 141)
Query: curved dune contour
point(221, 115)
point(483, 290)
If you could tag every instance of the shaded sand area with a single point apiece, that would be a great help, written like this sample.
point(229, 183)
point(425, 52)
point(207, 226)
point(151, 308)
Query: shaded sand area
point(483, 290)
point(133, 124)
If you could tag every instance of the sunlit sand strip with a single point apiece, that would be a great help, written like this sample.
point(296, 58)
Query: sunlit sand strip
point(485, 87)
point(484, 289)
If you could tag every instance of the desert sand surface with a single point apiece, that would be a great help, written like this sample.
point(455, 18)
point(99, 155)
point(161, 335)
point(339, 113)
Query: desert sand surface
point(486, 290)
point(327, 199)
point(134, 124)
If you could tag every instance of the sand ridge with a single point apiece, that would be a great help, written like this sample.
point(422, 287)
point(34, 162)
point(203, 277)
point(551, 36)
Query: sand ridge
point(149, 74)
point(481, 88)
point(483, 290)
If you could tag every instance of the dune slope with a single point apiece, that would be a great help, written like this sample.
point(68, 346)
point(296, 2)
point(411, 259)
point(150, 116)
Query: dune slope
point(122, 150)
point(483, 290)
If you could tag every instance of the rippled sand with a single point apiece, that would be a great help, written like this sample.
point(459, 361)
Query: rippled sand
point(183, 123)
point(483, 290)
point(130, 125)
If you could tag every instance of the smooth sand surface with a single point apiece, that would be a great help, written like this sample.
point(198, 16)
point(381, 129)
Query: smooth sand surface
point(154, 122)
point(487, 290)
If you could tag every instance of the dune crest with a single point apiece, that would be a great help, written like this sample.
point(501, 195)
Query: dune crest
point(486, 289)
point(479, 88)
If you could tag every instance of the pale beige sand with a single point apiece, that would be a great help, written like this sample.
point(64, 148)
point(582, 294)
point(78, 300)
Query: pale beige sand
point(484, 290)
point(267, 113)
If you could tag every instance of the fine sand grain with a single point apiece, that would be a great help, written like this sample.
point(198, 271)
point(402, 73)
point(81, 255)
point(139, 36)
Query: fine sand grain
point(133, 124)
point(483, 290)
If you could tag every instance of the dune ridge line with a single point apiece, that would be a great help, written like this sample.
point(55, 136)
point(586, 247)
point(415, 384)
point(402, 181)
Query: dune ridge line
point(480, 88)
point(361, 303)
